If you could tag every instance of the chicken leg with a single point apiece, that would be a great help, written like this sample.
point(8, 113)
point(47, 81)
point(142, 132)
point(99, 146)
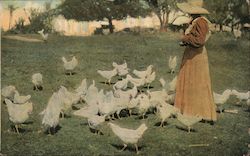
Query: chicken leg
point(136, 147)
point(16, 126)
point(161, 125)
point(124, 147)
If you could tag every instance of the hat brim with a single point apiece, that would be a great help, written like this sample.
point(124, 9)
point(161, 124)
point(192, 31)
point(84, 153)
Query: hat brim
point(185, 7)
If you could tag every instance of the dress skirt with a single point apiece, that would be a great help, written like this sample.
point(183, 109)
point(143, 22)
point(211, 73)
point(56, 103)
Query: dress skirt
point(194, 94)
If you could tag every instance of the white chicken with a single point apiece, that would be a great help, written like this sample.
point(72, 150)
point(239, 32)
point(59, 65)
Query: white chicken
point(21, 99)
point(68, 99)
point(133, 103)
point(165, 110)
point(87, 111)
point(95, 121)
point(188, 120)
point(51, 114)
point(120, 66)
point(69, 66)
point(144, 104)
point(220, 99)
point(108, 75)
point(169, 87)
point(122, 69)
point(241, 96)
point(129, 136)
point(143, 74)
point(8, 92)
point(18, 114)
point(91, 94)
point(37, 80)
point(172, 62)
point(123, 84)
point(44, 36)
point(131, 93)
point(136, 81)
point(157, 97)
point(83, 87)
point(149, 79)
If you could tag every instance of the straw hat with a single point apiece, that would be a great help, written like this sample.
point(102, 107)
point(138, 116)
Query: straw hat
point(192, 7)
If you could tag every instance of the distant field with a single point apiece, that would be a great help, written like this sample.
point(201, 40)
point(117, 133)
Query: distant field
point(229, 67)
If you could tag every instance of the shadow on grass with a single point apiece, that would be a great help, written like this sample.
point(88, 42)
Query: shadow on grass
point(159, 123)
point(21, 130)
point(185, 129)
point(65, 116)
point(68, 74)
point(40, 88)
point(106, 83)
point(95, 131)
point(141, 118)
point(52, 130)
point(130, 147)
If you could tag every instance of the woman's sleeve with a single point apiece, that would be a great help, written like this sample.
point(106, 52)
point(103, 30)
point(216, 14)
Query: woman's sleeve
point(197, 35)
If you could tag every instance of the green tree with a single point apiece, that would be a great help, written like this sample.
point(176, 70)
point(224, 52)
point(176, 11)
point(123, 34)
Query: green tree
point(228, 12)
point(162, 8)
point(11, 8)
point(90, 10)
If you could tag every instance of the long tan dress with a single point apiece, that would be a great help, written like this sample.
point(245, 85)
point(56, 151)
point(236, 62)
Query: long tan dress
point(193, 90)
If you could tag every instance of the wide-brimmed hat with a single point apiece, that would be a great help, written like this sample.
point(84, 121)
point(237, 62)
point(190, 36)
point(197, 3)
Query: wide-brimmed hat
point(193, 7)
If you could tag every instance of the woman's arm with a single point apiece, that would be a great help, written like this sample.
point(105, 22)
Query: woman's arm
point(197, 35)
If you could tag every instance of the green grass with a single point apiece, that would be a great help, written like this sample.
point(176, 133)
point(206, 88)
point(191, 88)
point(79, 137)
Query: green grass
point(229, 68)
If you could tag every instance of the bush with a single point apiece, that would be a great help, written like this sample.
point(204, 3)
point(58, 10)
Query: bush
point(38, 21)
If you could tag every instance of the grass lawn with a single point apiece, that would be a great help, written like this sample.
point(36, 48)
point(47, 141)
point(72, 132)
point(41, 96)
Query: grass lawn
point(229, 68)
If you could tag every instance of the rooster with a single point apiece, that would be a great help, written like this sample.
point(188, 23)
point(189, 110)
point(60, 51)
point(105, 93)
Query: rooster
point(70, 65)
point(128, 136)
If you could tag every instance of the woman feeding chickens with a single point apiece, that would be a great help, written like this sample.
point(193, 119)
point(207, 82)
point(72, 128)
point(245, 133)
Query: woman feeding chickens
point(193, 91)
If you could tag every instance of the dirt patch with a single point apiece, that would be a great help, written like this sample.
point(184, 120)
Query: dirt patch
point(21, 38)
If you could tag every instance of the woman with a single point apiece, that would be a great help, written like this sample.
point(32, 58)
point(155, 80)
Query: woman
point(194, 95)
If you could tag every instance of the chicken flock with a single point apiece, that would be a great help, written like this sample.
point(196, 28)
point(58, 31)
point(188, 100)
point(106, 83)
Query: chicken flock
point(100, 106)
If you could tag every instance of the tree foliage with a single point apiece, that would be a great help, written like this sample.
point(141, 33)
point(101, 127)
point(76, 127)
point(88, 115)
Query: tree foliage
point(162, 9)
point(90, 10)
point(228, 12)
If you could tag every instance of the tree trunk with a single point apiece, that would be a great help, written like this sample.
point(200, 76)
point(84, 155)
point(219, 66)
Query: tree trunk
point(162, 23)
point(10, 20)
point(221, 26)
point(111, 28)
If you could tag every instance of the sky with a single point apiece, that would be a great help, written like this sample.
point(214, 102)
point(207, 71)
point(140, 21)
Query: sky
point(27, 3)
